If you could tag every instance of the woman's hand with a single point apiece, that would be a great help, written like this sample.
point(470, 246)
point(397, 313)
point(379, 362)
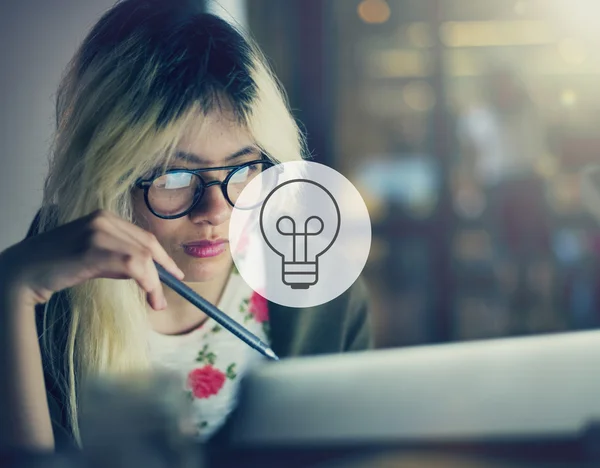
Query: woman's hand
point(100, 245)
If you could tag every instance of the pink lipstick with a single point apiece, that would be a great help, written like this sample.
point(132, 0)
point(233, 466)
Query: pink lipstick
point(205, 248)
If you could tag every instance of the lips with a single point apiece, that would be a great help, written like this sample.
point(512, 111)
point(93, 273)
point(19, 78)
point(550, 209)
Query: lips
point(205, 248)
point(204, 243)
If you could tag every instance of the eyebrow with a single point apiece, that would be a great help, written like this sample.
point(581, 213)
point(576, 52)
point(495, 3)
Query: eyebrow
point(195, 159)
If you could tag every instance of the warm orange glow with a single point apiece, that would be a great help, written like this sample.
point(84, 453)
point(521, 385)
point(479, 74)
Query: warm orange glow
point(374, 11)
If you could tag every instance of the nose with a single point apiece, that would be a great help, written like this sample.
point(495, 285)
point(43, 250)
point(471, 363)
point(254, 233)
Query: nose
point(212, 208)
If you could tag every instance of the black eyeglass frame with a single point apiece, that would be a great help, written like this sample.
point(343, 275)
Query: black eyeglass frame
point(145, 184)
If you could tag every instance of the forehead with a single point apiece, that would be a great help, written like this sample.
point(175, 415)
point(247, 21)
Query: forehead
point(214, 137)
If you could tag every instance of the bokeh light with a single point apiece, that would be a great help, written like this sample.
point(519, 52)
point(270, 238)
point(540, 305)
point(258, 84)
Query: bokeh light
point(374, 11)
point(568, 98)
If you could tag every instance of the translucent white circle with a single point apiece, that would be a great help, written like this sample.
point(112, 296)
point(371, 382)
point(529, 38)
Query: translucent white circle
point(300, 234)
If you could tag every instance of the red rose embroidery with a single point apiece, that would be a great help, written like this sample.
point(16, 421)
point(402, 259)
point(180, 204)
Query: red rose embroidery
point(258, 308)
point(206, 381)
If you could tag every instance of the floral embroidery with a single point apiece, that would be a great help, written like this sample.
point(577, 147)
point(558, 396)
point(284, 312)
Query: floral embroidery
point(230, 373)
point(255, 308)
point(206, 356)
point(206, 381)
point(206, 371)
point(258, 308)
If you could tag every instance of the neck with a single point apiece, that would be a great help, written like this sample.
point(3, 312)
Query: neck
point(181, 315)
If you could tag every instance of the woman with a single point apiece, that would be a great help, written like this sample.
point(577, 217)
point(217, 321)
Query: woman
point(155, 87)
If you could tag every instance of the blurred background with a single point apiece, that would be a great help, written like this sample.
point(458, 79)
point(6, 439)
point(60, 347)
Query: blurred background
point(464, 124)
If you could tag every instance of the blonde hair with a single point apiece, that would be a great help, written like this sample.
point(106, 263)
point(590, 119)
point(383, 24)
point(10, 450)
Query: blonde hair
point(143, 72)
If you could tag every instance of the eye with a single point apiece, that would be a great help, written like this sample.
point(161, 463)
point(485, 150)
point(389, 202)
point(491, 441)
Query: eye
point(240, 175)
point(173, 180)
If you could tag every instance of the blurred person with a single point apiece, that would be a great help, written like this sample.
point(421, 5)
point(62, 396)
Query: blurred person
point(156, 89)
point(501, 141)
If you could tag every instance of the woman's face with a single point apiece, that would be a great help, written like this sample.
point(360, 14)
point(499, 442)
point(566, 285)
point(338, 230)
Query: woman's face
point(198, 241)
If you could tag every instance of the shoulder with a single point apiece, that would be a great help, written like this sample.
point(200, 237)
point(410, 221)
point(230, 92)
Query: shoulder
point(49, 212)
point(356, 317)
point(340, 325)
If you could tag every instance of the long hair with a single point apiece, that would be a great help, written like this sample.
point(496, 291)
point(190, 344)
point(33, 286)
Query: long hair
point(142, 73)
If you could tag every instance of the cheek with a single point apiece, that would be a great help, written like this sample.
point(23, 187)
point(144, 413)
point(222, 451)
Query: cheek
point(143, 218)
point(167, 233)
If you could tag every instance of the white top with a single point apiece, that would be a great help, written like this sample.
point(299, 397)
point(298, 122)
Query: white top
point(210, 360)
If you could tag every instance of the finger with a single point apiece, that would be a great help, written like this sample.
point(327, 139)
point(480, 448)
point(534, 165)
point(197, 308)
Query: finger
point(149, 240)
point(115, 257)
point(156, 295)
point(141, 268)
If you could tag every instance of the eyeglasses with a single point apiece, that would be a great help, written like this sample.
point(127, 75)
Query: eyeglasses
point(175, 193)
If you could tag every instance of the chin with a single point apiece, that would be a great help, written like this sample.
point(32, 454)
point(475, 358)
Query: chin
point(206, 269)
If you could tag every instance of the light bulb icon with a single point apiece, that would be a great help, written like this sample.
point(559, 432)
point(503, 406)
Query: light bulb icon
point(300, 221)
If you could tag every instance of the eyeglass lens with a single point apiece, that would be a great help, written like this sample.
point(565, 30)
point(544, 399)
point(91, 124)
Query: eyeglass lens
point(175, 192)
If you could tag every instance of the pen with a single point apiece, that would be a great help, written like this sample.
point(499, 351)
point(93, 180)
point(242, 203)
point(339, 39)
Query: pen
point(218, 316)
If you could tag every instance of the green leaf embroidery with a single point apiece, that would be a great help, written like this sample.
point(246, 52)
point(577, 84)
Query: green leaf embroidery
point(217, 328)
point(210, 358)
point(230, 373)
point(204, 355)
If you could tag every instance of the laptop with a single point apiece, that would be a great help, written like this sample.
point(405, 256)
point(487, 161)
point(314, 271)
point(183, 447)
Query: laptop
point(510, 389)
